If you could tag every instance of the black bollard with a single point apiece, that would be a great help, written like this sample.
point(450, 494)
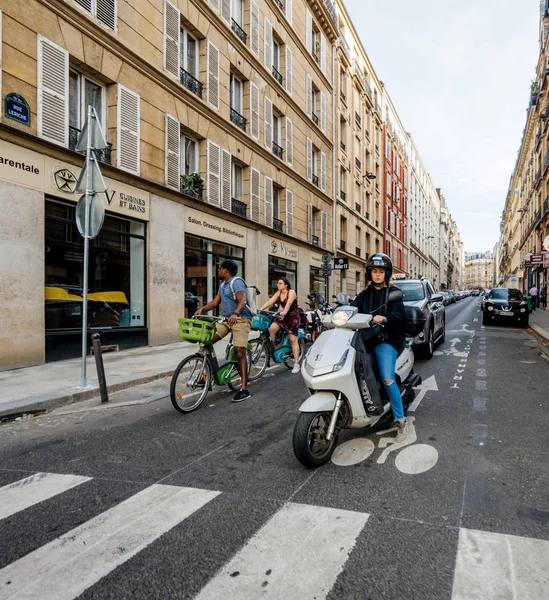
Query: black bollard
point(100, 368)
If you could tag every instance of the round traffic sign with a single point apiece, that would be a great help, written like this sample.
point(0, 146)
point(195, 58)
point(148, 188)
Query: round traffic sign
point(96, 215)
point(546, 244)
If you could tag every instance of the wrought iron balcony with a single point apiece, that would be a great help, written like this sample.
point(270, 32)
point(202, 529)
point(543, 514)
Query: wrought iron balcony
point(343, 196)
point(238, 208)
point(190, 82)
point(357, 251)
point(315, 180)
point(343, 146)
point(239, 32)
point(330, 7)
point(369, 91)
point(238, 119)
point(280, 5)
point(345, 47)
point(189, 189)
point(277, 150)
point(277, 75)
point(357, 207)
point(358, 164)
point(277, 224)
point(315, 118)
point(103, 156)
point(358, 120)
point(315, 56)
point(342, 244)
point(315, 241)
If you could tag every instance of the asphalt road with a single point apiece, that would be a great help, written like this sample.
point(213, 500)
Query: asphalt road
point(143, 502)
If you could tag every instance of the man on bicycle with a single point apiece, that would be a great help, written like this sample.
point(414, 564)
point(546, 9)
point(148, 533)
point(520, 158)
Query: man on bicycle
point(232, 297)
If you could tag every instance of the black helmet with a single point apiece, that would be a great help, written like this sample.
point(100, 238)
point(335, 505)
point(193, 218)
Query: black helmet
point(382, 261)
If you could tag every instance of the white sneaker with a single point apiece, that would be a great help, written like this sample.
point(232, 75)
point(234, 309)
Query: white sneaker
point(296, 369)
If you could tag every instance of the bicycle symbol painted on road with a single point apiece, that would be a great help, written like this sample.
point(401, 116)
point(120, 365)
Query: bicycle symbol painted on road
point(411, 458)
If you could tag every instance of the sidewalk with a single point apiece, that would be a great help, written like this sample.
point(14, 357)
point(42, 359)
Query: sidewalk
point(55, 384)
point(539, 322)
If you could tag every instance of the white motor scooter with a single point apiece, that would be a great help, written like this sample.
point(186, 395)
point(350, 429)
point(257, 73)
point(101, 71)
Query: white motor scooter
point(336, 401)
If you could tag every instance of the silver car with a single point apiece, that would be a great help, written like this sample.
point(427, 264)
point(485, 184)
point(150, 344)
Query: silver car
point(420, 294)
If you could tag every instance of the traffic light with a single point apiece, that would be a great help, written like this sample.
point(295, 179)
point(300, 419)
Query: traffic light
point(326, 265)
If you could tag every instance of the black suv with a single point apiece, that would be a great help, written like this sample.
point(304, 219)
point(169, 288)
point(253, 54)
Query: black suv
point(420, 294)
point(506, 304)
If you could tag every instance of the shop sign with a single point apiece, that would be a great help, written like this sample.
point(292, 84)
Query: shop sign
point(21, 166)
point(284, 250)
point(316, 260)
point(536, 259)
point(17, 109)
point(214, 228)
point(341, 263)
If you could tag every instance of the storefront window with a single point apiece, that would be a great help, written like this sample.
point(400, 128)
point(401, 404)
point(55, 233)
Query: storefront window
point(280, 267)
point(116, 282)
point(201, 259)
point(317, 283)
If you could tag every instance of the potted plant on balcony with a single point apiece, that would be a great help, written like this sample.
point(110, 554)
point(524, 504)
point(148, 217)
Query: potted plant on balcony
point(192, 185)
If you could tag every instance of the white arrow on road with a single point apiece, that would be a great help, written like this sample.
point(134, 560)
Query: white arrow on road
point(455, 341)
point(428, 385)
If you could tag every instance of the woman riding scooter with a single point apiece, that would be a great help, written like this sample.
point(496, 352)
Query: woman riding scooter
point(392, 316)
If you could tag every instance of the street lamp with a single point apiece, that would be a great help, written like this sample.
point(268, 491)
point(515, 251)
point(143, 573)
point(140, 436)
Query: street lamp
point(369, 175)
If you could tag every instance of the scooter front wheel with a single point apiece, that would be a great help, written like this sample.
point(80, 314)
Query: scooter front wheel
point(311, 447)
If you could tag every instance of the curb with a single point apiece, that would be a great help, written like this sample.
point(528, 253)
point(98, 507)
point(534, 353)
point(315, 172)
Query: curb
point(50, 401)
point(540, 331)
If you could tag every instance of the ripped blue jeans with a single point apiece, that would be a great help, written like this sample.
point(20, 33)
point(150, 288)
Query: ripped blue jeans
point(384, 355)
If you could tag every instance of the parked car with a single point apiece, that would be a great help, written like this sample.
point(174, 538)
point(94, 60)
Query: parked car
point(475, 292)
point(507, 304)
point(419, 293)
point(483, 296)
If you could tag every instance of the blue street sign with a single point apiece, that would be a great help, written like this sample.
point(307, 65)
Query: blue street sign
point(17, 109)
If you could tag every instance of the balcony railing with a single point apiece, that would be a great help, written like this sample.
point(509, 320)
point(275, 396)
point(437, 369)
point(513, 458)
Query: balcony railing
point(315, 241)
point(187, 188)
point(358, 120)
point(315, 118)
point(277, 150)
point(190, 82)
point(330, 7)
point(343, 195)
point(103, 156)
point(369, 91)
point(342, 244)
point(277, 224)
point(358, 164)
point(315, 180)
point(357, 251)
point(239, 32)
point(238, 119)
point(277, 75)
point(377, 107)
point(357, 207)
point(315, 56)
point(238, 208)
point(343, 146)
point(280, 5)
point(345, 47)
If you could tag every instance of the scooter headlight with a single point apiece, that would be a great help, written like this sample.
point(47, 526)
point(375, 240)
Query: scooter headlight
point(341, 317)
point(341, 363)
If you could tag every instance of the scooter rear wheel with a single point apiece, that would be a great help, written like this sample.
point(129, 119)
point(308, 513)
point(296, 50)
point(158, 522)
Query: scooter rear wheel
point(311, 447)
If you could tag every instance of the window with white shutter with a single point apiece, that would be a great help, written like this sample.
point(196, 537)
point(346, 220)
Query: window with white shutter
point(254, 28)
point(268, 201)
point(310, 223)
point(53, 92)
point(323, 112)
point(288, 11)
point(309, 159)
point(268, 45)
point(255, 176)
point(308, 95)
point(289, 212)
point(323, 171)
point(289, 69)
point(103, 10)
point(212, 68)
point(254, 111)
point(309, 31)
point(128, 127)
point(323, 229)
point(173, 147)
point(268, 117)
point(172, 32)
point(213, 173)
point(226, 11)
point(289, 141)
point(322, 53)
point(226, 183)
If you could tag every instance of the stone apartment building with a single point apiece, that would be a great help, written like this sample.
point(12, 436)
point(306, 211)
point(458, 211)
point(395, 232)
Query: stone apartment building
point(213, 153)
point(479, 270)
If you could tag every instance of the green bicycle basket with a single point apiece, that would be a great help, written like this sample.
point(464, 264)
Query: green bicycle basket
point(192, 330)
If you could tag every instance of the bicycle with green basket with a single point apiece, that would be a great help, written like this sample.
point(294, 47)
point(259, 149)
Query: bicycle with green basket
point(196, 374)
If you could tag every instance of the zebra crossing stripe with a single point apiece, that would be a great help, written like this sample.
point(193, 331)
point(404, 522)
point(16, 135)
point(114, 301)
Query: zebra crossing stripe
point(70, 564)
point(493, 566)
point(27, 492)
point(297, 554)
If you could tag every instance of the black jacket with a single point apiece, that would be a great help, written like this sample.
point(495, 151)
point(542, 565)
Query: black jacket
point(369, 301)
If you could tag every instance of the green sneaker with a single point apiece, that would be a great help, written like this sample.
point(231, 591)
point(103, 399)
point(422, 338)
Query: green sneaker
point(402, 431)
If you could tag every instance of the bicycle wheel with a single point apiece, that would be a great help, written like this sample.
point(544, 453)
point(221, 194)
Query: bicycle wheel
point(235, 381)
point(260, 358)
point(289, 360)
point(190, 383)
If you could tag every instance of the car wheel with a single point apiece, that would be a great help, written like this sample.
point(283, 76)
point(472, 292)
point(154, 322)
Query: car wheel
point(429, 345)
point(443, 334)
point(485, 319)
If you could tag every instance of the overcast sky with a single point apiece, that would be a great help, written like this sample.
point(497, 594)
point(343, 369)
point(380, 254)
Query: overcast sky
point(459, 75)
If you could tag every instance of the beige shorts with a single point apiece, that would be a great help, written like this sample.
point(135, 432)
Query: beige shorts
point(241, 331)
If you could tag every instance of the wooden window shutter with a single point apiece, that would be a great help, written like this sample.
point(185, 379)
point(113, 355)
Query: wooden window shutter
point(172, 35)
point(268, 45)
point(323, 111)
point(85, 4)
point(289, 70)
point(308, 95)
point(254, 111)
point(255, 176)
point(309, 31)
point(212, 62)
point(213, 173)
point(323, 171)
point(310, 231)
point(289, 141)
point(289, 212)
point(288, 11)
point(106, 13)
point(268, 133)
point(226, 11)
point(127, 138)
point(322, 53)
point(53, 92)
point(173, 149)
point(268, 201)
point(309, 159)
point(226, 183)
point(254, 28)
point(323, 229)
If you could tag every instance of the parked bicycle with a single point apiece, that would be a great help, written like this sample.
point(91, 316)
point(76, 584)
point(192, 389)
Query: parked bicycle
point(195, 375)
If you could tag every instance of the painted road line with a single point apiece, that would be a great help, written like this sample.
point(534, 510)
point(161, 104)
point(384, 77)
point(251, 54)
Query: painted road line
point(494, 566)
point(479, 404)
point(27, 492)
point(278, 562)
point(64, 568)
